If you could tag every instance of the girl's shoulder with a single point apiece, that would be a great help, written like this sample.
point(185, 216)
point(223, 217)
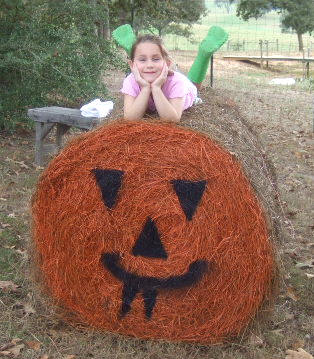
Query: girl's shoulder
point(178, 78)
point(130, 86)
point(129, 77)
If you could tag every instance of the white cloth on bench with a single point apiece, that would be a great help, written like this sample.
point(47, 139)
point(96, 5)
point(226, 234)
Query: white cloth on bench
point(97, 108)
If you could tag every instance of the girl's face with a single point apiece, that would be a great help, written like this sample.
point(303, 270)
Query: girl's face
point(149, 61)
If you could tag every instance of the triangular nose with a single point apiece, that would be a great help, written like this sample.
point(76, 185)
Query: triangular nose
point(148, 243)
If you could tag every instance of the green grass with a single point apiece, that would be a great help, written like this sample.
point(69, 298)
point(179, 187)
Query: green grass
point(11, 244)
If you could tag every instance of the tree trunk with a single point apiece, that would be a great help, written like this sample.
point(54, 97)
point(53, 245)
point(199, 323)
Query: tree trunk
point(106, 26)
point(300, 39)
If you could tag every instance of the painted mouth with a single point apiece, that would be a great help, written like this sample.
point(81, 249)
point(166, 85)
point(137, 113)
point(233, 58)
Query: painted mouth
point(149, 286)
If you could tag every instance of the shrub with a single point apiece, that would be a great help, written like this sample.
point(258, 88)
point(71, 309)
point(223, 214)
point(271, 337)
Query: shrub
point(50, 54)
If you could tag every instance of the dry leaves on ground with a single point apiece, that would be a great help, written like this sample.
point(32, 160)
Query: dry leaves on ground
point(8, 285)
point(292, 294)
point(298, 354)
point(24, 309)
point(12, 349)
point(35, 345)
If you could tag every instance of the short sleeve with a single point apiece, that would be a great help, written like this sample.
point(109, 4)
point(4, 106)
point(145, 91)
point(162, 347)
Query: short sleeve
point(130, 86)
point(179, 86)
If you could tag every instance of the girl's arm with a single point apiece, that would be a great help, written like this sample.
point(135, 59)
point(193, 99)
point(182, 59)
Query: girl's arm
point(171, 109)
point(135, 107)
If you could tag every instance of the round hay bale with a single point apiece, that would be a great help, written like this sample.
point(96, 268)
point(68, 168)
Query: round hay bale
point(153, 230)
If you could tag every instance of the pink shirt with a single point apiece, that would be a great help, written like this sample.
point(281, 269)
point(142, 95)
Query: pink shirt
point(176, 85)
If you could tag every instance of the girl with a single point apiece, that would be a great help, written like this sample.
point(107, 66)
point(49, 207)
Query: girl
point(152, 86)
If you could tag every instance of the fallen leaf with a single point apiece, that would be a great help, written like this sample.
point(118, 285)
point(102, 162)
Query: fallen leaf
point(24, 308)
point(277, 332)
point(45, 356)
point(9, 247)
point(29, 309)
point(289, 316)
point(5, 353)
point(291, 294)
point(16, 340)
point(22, 164)
point(299, 343)
point(69, 357)
point(256, 340)
point(305, 265)
point(8, 286)
point(299, 354)
point(24, 254)
point(12, 349)
point(35, 345)
point(16, 350)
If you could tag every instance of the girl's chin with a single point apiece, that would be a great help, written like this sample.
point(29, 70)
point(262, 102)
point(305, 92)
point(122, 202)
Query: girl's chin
point(150, 78)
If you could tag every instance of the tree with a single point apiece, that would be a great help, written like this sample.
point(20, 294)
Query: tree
point(297, 15)
point(224, 3)
point(163, 16)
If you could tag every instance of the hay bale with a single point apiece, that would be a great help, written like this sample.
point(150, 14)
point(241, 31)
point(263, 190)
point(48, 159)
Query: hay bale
point(153, 230)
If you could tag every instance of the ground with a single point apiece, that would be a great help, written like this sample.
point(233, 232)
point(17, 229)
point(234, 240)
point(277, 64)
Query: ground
point(282, 117)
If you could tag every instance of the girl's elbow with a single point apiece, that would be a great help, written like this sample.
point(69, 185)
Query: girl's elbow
point(175, 119)
point(130, 117)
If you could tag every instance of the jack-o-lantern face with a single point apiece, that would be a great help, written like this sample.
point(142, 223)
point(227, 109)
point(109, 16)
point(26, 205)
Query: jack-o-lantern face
point(149, 244)
point(153, 230)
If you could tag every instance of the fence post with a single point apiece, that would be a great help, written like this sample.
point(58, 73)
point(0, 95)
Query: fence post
point(261, 49)
point(266, 42)
point(211, 70)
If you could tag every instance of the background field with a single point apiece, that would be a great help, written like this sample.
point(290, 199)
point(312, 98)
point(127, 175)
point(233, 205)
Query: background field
point(244, 36)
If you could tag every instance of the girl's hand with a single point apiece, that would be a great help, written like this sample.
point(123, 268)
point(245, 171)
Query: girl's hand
point(161, 79)
point(139, 79)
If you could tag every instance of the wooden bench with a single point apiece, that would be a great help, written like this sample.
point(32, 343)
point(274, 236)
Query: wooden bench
point(63, 118)
point(261, 58)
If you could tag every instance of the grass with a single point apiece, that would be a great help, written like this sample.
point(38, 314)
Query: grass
point(242, 32)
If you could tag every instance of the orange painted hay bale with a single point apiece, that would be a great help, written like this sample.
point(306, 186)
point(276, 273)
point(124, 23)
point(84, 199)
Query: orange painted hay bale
point(212, 266)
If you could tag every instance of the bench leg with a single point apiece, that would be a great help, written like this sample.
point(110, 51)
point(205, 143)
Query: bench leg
point(61, 130)
point(39, 144)
point(42, 130)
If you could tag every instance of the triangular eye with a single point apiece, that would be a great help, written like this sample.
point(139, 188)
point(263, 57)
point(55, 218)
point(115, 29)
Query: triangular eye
point(189, 194)
point(109, 182)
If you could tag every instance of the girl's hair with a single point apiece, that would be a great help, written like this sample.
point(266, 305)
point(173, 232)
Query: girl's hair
point(154, 40)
